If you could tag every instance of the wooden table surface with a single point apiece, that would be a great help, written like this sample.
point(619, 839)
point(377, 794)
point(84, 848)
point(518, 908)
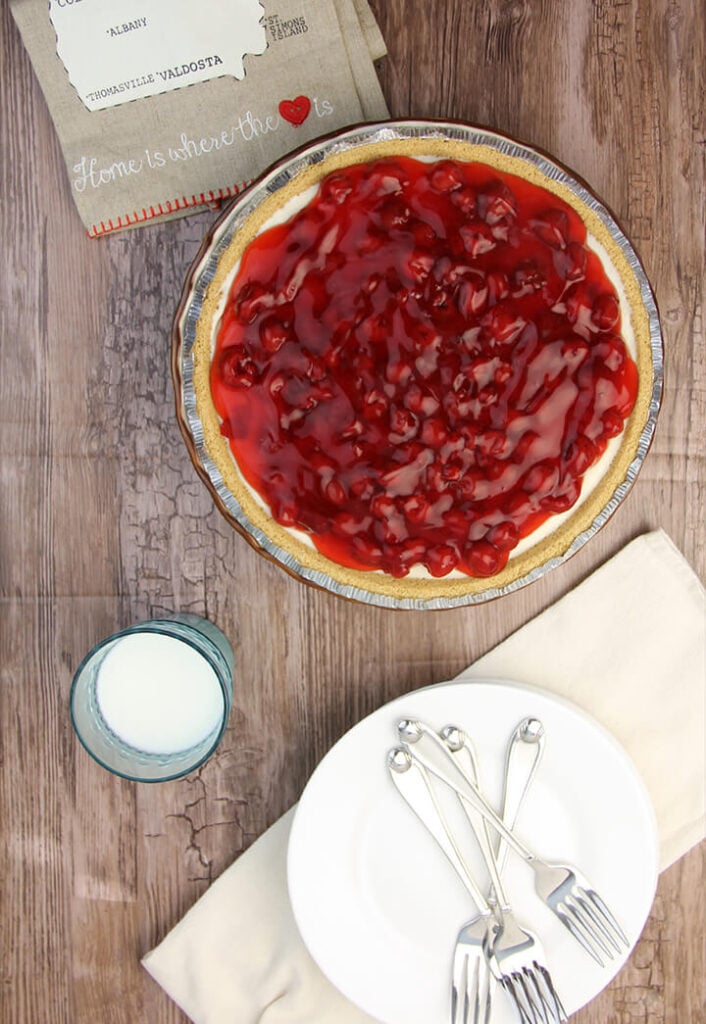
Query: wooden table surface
point(104, 521)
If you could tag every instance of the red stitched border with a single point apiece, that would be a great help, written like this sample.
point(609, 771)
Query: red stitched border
point(168, 206)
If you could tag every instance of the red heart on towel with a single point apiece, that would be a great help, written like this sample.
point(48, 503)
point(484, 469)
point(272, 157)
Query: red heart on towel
point(295, 111)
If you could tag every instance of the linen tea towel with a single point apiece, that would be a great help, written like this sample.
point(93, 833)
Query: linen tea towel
point(166, 106)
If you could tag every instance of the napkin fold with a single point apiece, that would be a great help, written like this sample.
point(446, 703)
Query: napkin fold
point(628, 645)
point(160, 116)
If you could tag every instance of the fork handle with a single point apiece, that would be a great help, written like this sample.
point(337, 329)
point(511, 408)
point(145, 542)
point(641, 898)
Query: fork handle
point(465, 789)
point(523, 755)
point(481, 831)
point(414, 785)
point(464, 761)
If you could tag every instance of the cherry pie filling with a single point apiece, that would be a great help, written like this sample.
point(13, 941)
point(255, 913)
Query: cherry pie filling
point(419, 367)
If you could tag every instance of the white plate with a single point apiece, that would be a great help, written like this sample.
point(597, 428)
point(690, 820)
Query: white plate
point(379, 906)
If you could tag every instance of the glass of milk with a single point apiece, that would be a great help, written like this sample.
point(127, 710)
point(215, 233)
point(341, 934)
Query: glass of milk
point(151, 703)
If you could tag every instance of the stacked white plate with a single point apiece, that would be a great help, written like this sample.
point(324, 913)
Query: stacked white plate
point(376, 901)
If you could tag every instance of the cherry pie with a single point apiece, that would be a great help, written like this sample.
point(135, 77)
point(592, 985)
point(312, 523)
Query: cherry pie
point(422, 367)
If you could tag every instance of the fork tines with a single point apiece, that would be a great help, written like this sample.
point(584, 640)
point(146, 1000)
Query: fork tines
point(592, 924)
point(534, 995)
point(471, 993)
point(547, 994)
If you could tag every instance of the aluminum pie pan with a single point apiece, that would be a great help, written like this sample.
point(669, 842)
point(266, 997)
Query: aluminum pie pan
point(203, 271)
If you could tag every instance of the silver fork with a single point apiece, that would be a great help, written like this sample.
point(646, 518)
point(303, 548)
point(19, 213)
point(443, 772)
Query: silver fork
point(471, 992)
point(516, 950)
point(517, 954)
point(562, 887)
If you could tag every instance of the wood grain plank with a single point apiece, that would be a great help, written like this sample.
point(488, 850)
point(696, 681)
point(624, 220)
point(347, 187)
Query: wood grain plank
point(35, 928)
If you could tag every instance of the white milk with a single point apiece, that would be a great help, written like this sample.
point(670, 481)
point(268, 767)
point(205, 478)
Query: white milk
point(158, 694)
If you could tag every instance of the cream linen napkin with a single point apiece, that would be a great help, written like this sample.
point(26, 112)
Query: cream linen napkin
point(628, 645)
